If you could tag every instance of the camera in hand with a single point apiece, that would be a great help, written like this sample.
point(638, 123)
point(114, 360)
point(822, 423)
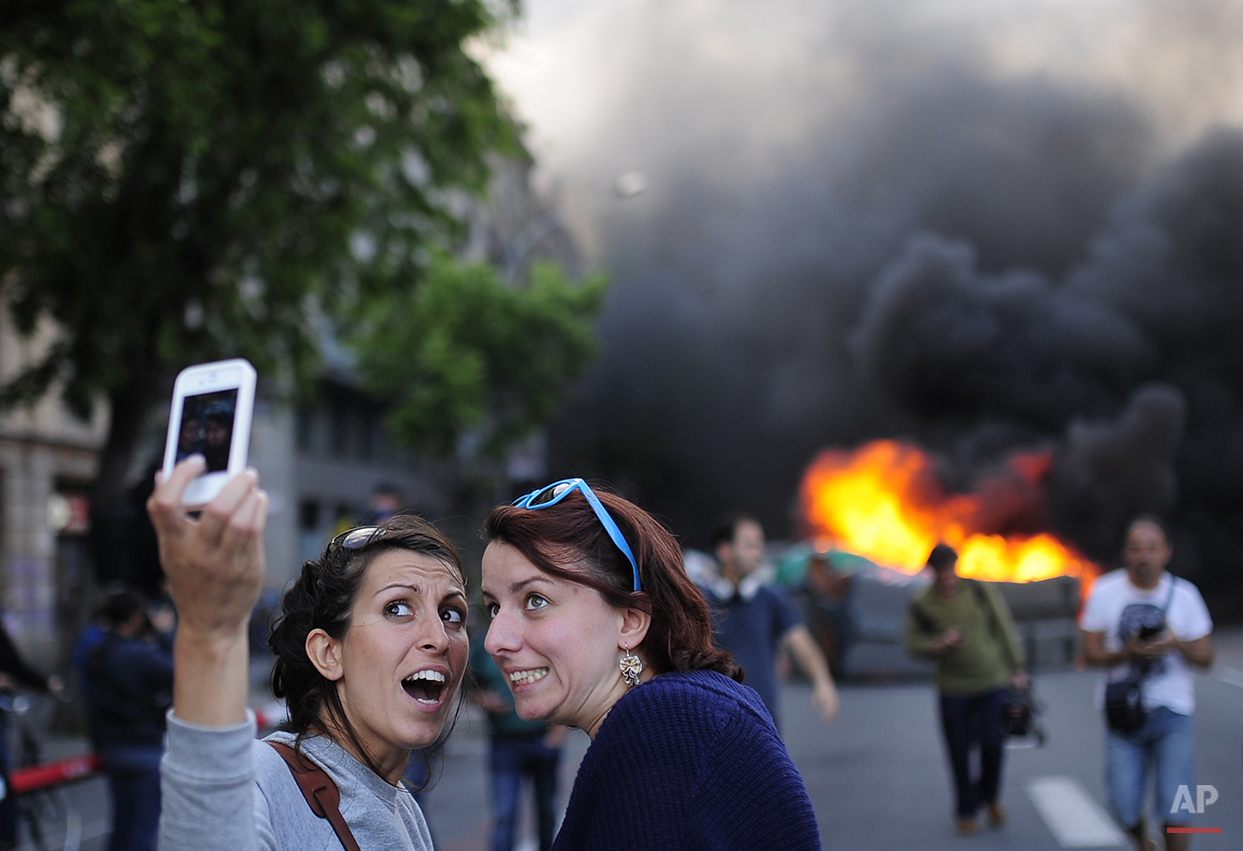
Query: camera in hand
point(1148, 633)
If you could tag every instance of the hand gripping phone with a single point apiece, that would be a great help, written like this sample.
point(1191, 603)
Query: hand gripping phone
point(210, 416)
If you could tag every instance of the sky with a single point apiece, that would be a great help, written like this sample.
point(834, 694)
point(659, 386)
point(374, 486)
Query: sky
point(979, 226)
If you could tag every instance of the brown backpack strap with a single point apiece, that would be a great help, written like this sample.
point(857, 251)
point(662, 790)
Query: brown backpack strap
point(320, 792)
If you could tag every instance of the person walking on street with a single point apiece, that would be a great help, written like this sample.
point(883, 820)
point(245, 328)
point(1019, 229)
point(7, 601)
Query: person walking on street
point(1144, 624)
point(130, 671)
point(967, 628)
point(519, 749)
point(754, 621)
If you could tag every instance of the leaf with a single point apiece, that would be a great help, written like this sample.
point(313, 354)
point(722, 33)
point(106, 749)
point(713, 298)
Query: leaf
point(462, 350)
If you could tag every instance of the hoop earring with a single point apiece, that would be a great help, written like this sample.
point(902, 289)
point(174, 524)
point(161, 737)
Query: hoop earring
point(631, 666)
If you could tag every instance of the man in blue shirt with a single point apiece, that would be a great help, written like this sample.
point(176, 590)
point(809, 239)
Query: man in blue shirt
point(753, 621)
point(131, 680)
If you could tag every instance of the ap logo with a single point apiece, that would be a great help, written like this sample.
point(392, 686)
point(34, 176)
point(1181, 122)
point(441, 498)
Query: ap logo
point(1205, 795)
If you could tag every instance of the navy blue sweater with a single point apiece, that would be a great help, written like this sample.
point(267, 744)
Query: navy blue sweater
point(688, 761)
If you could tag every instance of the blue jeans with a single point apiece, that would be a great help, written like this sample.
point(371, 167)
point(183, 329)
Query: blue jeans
point(968, 721)
point(134, 782)
point(1165, 743)
point(512, 758)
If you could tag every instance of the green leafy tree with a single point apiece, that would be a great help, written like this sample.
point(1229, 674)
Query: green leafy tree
point(465, 352)
point(187, 179)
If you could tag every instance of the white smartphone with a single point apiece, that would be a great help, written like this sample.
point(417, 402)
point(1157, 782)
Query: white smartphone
point(210, 416)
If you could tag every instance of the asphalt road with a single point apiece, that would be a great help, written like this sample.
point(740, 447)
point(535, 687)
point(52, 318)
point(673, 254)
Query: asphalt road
point(878, 779)
point(877, 775)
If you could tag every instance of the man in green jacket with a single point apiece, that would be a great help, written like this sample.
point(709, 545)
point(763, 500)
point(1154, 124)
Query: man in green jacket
point(966, 627)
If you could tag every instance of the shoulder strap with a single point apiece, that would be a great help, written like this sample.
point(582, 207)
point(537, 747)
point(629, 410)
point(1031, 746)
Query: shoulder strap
point(1141, 670)
point(320, 792)
point(1170, 598)
point(990, 611)
point(922, 618)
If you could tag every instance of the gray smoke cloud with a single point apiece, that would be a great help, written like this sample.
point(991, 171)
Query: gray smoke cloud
point(912, 237)
point(1107, 473)
point(954, 344)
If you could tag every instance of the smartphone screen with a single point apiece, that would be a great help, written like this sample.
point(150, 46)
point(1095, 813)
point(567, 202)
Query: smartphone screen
point(207, 422)
point(211, 412)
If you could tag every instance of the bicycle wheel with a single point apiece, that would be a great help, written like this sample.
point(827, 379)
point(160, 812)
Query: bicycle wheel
point(50, 821)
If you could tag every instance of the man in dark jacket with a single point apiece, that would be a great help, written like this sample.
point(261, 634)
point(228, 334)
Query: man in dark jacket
point(131, 674)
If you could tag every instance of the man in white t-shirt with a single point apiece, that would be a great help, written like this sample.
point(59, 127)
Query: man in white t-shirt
point(1142, 620)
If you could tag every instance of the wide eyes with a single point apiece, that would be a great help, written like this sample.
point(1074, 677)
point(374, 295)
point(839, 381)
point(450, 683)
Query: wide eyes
point(398, 609)
point(402, 609)
point(533, 602)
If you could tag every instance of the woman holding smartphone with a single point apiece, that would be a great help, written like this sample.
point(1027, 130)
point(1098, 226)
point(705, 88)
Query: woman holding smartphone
point(370, 647)
point(596, 625)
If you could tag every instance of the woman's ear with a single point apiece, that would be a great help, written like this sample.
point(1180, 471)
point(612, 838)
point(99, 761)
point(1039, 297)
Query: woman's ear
point(635, 623)
point(324, 651)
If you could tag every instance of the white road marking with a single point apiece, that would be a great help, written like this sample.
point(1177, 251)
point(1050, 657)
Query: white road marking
point(1231, 676)
point(1072, 816)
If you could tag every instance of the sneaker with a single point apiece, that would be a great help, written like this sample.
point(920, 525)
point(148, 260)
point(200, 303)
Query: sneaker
point(996, 815)
point(965, 826)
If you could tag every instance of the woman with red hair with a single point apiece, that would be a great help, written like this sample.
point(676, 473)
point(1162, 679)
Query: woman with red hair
point(596, 625)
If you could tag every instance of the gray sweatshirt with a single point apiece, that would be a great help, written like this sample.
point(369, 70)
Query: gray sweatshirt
point(224, 791)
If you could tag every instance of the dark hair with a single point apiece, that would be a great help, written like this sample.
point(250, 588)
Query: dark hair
point(120, 607)
point(1148, 520)
point(568, 541)
point(323, 597)
point(942, 557)
point(726, 529)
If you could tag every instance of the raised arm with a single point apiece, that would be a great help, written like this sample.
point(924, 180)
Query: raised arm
point(214, 566)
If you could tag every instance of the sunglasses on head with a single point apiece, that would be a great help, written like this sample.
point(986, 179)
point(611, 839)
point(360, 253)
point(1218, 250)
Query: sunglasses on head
point(353, 539)
point(557, 491)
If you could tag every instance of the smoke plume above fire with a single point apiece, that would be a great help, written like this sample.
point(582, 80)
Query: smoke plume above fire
point(992, 230)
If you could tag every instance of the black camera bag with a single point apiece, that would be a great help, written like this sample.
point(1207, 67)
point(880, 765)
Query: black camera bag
point(1124, 705)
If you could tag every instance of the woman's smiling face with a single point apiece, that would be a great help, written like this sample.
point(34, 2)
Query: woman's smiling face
point(399, 665)
point(557, 642)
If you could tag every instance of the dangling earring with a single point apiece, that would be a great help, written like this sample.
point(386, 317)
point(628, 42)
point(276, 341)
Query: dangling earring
point(631, 666)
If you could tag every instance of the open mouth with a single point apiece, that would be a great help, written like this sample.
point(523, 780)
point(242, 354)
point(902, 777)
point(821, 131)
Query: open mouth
point(425, 686)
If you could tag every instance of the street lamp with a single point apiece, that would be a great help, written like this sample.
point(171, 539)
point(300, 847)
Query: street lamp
point(628, 185)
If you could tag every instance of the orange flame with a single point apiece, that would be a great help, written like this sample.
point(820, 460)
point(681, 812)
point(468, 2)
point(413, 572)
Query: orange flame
point(885, 502)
